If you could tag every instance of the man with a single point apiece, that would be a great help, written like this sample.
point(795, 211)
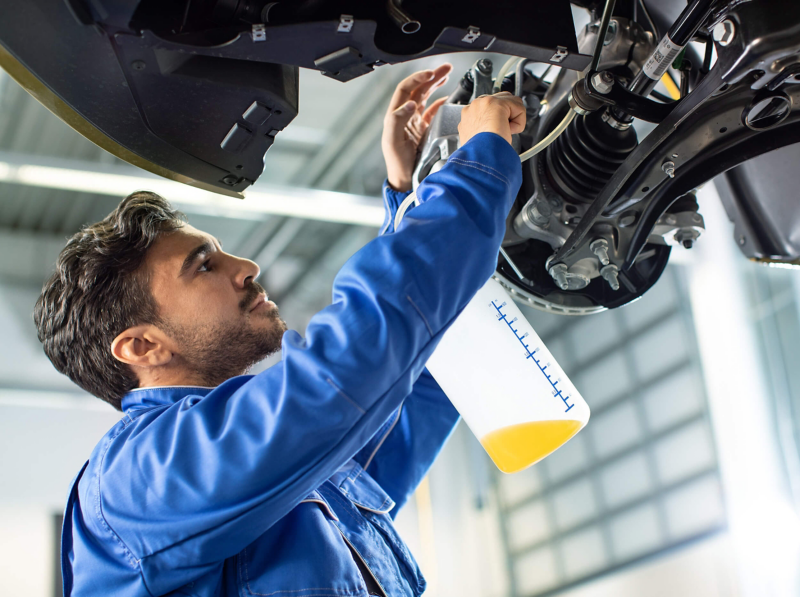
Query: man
point(284, 483)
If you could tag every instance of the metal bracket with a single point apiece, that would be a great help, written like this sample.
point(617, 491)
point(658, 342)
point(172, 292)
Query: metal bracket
point(345, 23)
point(561, 53)
point(588, 98)
point(482, 78)
point(259, 32)
point(473, 33)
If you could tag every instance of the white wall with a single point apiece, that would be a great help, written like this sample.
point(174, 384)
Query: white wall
point(44, 440)
point(26, 548)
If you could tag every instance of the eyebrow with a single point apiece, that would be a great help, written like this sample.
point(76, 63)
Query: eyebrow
point(194, 254)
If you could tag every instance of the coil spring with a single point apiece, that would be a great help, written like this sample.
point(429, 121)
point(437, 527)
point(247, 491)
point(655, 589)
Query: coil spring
point(583, 159)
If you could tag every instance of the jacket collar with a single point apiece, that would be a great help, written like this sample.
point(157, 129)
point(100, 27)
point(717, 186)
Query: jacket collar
point(159, 396)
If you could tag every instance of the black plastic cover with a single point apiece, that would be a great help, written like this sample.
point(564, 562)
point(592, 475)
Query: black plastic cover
point(760, 198)
point(196, 90)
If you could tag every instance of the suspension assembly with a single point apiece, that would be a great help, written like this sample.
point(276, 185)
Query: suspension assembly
point(583, 159)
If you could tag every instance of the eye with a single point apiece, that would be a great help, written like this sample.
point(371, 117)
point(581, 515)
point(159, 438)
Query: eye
point(205, 267)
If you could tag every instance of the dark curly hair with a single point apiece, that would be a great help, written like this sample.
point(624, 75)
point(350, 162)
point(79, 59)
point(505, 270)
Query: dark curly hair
point(98, 290)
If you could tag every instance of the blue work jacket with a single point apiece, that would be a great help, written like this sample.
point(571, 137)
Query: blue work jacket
point(277, 484)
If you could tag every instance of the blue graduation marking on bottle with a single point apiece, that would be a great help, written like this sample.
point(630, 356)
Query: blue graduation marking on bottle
point(532, 354)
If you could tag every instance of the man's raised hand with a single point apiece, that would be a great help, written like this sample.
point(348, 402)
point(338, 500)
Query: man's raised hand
point(406, 121)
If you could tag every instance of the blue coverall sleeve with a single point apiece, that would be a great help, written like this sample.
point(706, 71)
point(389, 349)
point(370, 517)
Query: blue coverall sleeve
point(198, 481)
point(400, 454)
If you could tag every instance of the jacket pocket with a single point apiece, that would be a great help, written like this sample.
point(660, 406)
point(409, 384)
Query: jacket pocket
point(302, 555)
point(361, 489)
point(385, 527)
point(375, 504)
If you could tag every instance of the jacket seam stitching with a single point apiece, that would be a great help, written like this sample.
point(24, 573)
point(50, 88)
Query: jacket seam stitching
point(352, 478)
point(419, 312)
point(334, 592)
point(101, 517)
point(480, 168)
point(149, 388)
point(383, 439)
point(345, 396)
point(495, 170)
point(321, 503)
point(482, 165)
point(363, 522)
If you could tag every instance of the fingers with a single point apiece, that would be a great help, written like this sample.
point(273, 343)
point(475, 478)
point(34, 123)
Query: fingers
point(432, 110)
point(397, 121)
point(403, 91)
point(516, 114)
point(414, 132)
point(424, 91)
point(502, 113)
point(418, 86)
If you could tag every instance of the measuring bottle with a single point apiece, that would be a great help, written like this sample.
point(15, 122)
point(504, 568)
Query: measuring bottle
point(505, 383)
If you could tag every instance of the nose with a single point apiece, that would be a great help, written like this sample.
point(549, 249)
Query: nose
point(245, 272)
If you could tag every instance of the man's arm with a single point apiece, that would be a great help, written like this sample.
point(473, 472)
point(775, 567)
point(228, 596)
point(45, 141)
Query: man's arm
point(399, 455)
point(198, 481)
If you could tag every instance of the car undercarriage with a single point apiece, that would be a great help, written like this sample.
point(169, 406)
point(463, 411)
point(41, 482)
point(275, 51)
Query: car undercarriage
point(197, 91)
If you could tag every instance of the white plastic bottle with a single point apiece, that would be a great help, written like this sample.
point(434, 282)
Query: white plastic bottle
point(512, 394)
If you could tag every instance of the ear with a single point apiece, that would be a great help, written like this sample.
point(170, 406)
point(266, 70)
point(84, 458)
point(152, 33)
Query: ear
point(142, 346)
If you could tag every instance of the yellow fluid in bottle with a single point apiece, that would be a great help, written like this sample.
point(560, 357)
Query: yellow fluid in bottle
point(516, 447)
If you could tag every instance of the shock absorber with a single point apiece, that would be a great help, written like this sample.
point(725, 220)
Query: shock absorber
point(582, 160)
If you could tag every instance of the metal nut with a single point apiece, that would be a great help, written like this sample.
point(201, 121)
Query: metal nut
point(724, 32)
point(603, 82)
point(485, 65)
point(669, 168)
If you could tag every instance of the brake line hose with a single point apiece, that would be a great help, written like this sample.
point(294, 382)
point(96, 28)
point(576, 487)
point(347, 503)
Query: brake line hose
point(552, 136)
point(526, 155)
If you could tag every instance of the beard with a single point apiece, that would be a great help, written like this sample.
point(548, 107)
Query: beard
point(215, 353)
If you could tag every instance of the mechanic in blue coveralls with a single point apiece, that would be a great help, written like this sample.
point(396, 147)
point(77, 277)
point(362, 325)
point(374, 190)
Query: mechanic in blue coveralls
point(285, 483)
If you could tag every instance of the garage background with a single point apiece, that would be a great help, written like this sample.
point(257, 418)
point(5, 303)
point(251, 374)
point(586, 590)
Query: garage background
point(686, 481)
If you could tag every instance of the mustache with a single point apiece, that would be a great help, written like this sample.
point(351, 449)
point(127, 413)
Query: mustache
point(251, 293)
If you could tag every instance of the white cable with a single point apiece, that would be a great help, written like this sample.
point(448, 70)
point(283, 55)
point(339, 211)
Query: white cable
point(401, 211)
point(504, 70)
point(526, 155)
point(412, 197)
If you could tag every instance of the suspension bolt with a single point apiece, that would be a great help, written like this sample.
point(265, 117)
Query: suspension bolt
point(600, 248)
point(610, 275)
point(603, 82)
point(669, 168)
point(686, 237)
point(724, 32)
point(559, 274)
point(539, 212)
point(485, 66)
